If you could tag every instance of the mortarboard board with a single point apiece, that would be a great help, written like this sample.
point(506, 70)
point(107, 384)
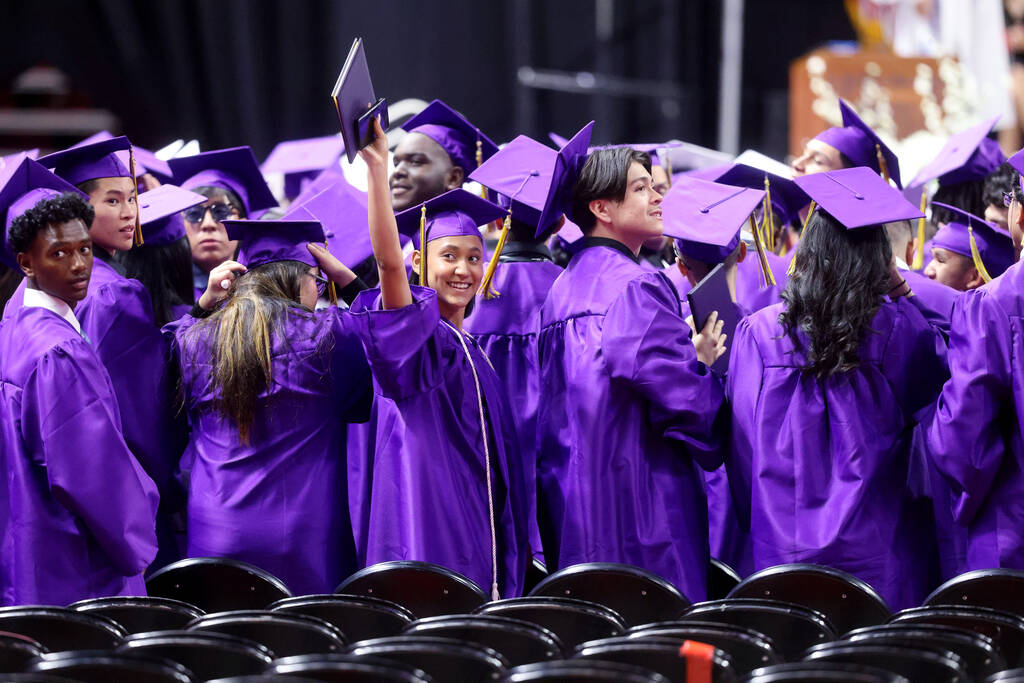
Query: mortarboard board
point(234, 168)
point(23, 184)
point(15, 159)
point(145, 160)
point(90, 161)
point(857, 197)
point(341, 210)
point(968, 155)
point(861, 145)
point(988, 245)
point(356, 103)
point(160, 212)
point(786, 196)
point(706, 217)
point(466, 145)
point(262, 242)
point(302, 160)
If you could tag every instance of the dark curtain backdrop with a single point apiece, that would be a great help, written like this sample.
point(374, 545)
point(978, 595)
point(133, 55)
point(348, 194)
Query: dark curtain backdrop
point(233, 72)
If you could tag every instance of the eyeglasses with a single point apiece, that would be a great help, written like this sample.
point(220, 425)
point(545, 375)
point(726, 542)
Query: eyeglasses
point(321, 285)
point(220, 211)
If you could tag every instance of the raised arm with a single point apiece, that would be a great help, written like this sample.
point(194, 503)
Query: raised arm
point(387, 249)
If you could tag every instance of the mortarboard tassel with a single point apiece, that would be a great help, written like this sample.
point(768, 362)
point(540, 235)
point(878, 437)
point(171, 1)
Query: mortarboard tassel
point(918, 263)
point(332, 291)
point(810, 210)
point(668, 166)
point(769, 218)
point(882, 166)
point(423, 245)
point(135, 183)
point(486, 285)
point(479, 162)
point(766, 272)
point(976, 257)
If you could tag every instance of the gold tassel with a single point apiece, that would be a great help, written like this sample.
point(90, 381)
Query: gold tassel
point(332, 291)
point(139, 241)
point(769, 217)
point(479, 161)
point(667, 165)
point(976, 257)
point(766, 271)
point(882, 166)
point(918, 263)
point(423, 246)
point(810, 210)
point(486, 285)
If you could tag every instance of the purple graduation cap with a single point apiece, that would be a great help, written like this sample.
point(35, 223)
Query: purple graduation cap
point(860, 144)
point(341, 210)
point(1017, 161)
point(857, 197)
point(160, 213)
point(89, 162)
point(145, 160)
point(466, 145)
point(988, 245)
point(234, 168)
point(262, 242)
point(303, 160)
point(452, 214)
point(968, 155)
point(786, 196)
point(706, 218)
point(23, 184)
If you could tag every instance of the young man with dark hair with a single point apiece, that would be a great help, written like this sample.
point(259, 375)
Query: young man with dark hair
point(79, 514)
point(628, 405)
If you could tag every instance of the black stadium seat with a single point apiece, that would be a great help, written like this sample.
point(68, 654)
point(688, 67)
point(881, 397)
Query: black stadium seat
point(572, 621)
point(917, 664)
point(217, 584)
point(16, 651)
point(581, 671)
point(105, 666)
point(1008, 676)
point(58, 628)
point(792, 628)
point(281, 633)
point(1001, 589)
point(444, 659)
point(845, 600)
point(747, 648)
point(205, 653)
point(980, 655)
point(823, 672)
point(141, 614)
point(520, 642)
point(358, 616)
point(721, 579)
point(666, 656)
point(349, 668)
point(637, 595)
point(425, 589)
point(1005, 629)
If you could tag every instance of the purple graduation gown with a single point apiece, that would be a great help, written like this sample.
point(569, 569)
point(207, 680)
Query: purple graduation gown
point(278, 502)
point(626, 414)
point(819, 468)
point(935, 300)
point(974, 437)
point(506, 329)
point(750, 289)
point(79, 512)
point(426, 496)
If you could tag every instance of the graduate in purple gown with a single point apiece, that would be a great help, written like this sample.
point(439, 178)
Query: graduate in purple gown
point(824, 390)
point(163, 263)
point(628, 404)
point(933, 299)
point(117, 315)
point(232, 183)
point(706, 219)
point(269, 384)
point(77, 518)
point(533, 182)
point(445, 484)
point(968, 251)
point(974, 437)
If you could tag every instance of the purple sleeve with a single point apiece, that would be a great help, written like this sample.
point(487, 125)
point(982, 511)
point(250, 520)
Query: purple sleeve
point(350, 372)
point(915, 360)
point(963, 436)
point(69, 411)
point(400, 343)
point(743, 392)
point(646, 346)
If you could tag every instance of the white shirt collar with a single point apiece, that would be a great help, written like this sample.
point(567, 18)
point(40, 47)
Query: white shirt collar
point(37, 298)
point(901, 264)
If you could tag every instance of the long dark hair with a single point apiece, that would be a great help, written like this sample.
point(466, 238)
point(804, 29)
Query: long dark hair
point(840, 278)
point(259, 302)
point(166, 272)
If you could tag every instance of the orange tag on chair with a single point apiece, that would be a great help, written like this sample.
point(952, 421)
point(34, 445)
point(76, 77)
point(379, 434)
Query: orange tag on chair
point(700, 660)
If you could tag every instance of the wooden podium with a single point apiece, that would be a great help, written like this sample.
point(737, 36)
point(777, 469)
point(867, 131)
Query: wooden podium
point(897, 96)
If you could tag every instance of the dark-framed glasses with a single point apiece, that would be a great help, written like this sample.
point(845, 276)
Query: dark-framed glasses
point(221, 211)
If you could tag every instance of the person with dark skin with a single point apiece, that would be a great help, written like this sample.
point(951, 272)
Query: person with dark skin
point(61, 445)
point(422, 171)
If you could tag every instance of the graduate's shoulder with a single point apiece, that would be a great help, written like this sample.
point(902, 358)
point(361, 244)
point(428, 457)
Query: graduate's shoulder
point(32, 333)
point(1007, 290)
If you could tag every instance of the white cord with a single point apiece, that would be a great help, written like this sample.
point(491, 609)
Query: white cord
point(495, 595)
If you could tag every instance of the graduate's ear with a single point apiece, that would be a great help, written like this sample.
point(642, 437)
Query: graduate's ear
point(599, 207)
point(415, 259)
point(454, 177)
point(743, 252)
point(25, 263)
point(974, 279)
point(911, 251)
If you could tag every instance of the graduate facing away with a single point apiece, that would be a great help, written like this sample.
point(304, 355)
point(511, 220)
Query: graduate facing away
point(628, 405)
point(55, 397)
